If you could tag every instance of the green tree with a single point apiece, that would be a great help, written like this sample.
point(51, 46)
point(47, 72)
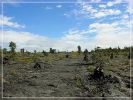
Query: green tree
point(35, 51)
point(79, 49)
point(22, 51)
point(86, 52)
point(4, 50)
point(12, 46)
point(52, 50)
point(45, 53)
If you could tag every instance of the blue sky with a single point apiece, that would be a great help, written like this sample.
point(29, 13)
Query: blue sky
point(65, 25)
point(44, 19)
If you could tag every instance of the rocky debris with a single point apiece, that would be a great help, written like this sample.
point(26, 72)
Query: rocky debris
point(100, 86)
point(41, 65)
point(52, 85)
point(33, 83)
point(98, 73)
point(5, 60)
point(67, 55)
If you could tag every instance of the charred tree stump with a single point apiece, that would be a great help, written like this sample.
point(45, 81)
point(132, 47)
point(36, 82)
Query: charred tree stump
point(37, 66)
point(67, 56)
point(98, 73)
point(5, 60)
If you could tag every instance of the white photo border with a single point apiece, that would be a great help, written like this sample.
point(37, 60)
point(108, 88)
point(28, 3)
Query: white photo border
point(2, 11)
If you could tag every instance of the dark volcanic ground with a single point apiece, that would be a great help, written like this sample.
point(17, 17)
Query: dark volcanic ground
point(54, 80)
point(62, 78)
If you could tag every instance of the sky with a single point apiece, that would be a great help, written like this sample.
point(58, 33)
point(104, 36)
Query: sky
point(64, 24)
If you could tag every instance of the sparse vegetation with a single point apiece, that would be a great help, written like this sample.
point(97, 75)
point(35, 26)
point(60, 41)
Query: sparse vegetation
point(99, 72)
point(78, 81)
point(13, 72)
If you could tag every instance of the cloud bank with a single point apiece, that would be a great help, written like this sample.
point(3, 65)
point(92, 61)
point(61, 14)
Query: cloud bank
point(103, 34)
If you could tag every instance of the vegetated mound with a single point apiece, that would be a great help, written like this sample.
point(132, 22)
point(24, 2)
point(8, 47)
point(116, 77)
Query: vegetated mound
point(98, 84)
point(25, 76)
point(102, 87)
point(41, 65)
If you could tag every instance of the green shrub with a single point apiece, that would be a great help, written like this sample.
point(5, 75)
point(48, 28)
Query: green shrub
point(90, 69)
point(13, 72)
point(78, 81)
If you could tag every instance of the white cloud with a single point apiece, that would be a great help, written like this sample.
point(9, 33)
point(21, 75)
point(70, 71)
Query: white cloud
point(32, 42)
point(7, 21)
point(125, 16)
point(66, 14)
point(95, 1)
point(106, 12)
point(59, 6)
point(89, 11)
point(111, 34)
point(130, 9)
point(107, 34)
point(112, 3)
point(75, 35)
point(102, 6)
point(48, 8)
point(24, 39)
point(88, 8)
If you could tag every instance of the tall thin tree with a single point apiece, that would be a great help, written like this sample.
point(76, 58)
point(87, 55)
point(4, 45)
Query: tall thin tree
point(12, 46)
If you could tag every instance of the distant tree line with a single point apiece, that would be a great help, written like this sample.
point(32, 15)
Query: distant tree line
point(107, 51)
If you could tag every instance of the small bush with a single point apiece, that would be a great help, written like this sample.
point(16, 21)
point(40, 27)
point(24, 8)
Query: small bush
point(13, 72)
point(111, 56)
point(78, 81)
point(126, 63)
point(90, 69)
point(74, 54)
